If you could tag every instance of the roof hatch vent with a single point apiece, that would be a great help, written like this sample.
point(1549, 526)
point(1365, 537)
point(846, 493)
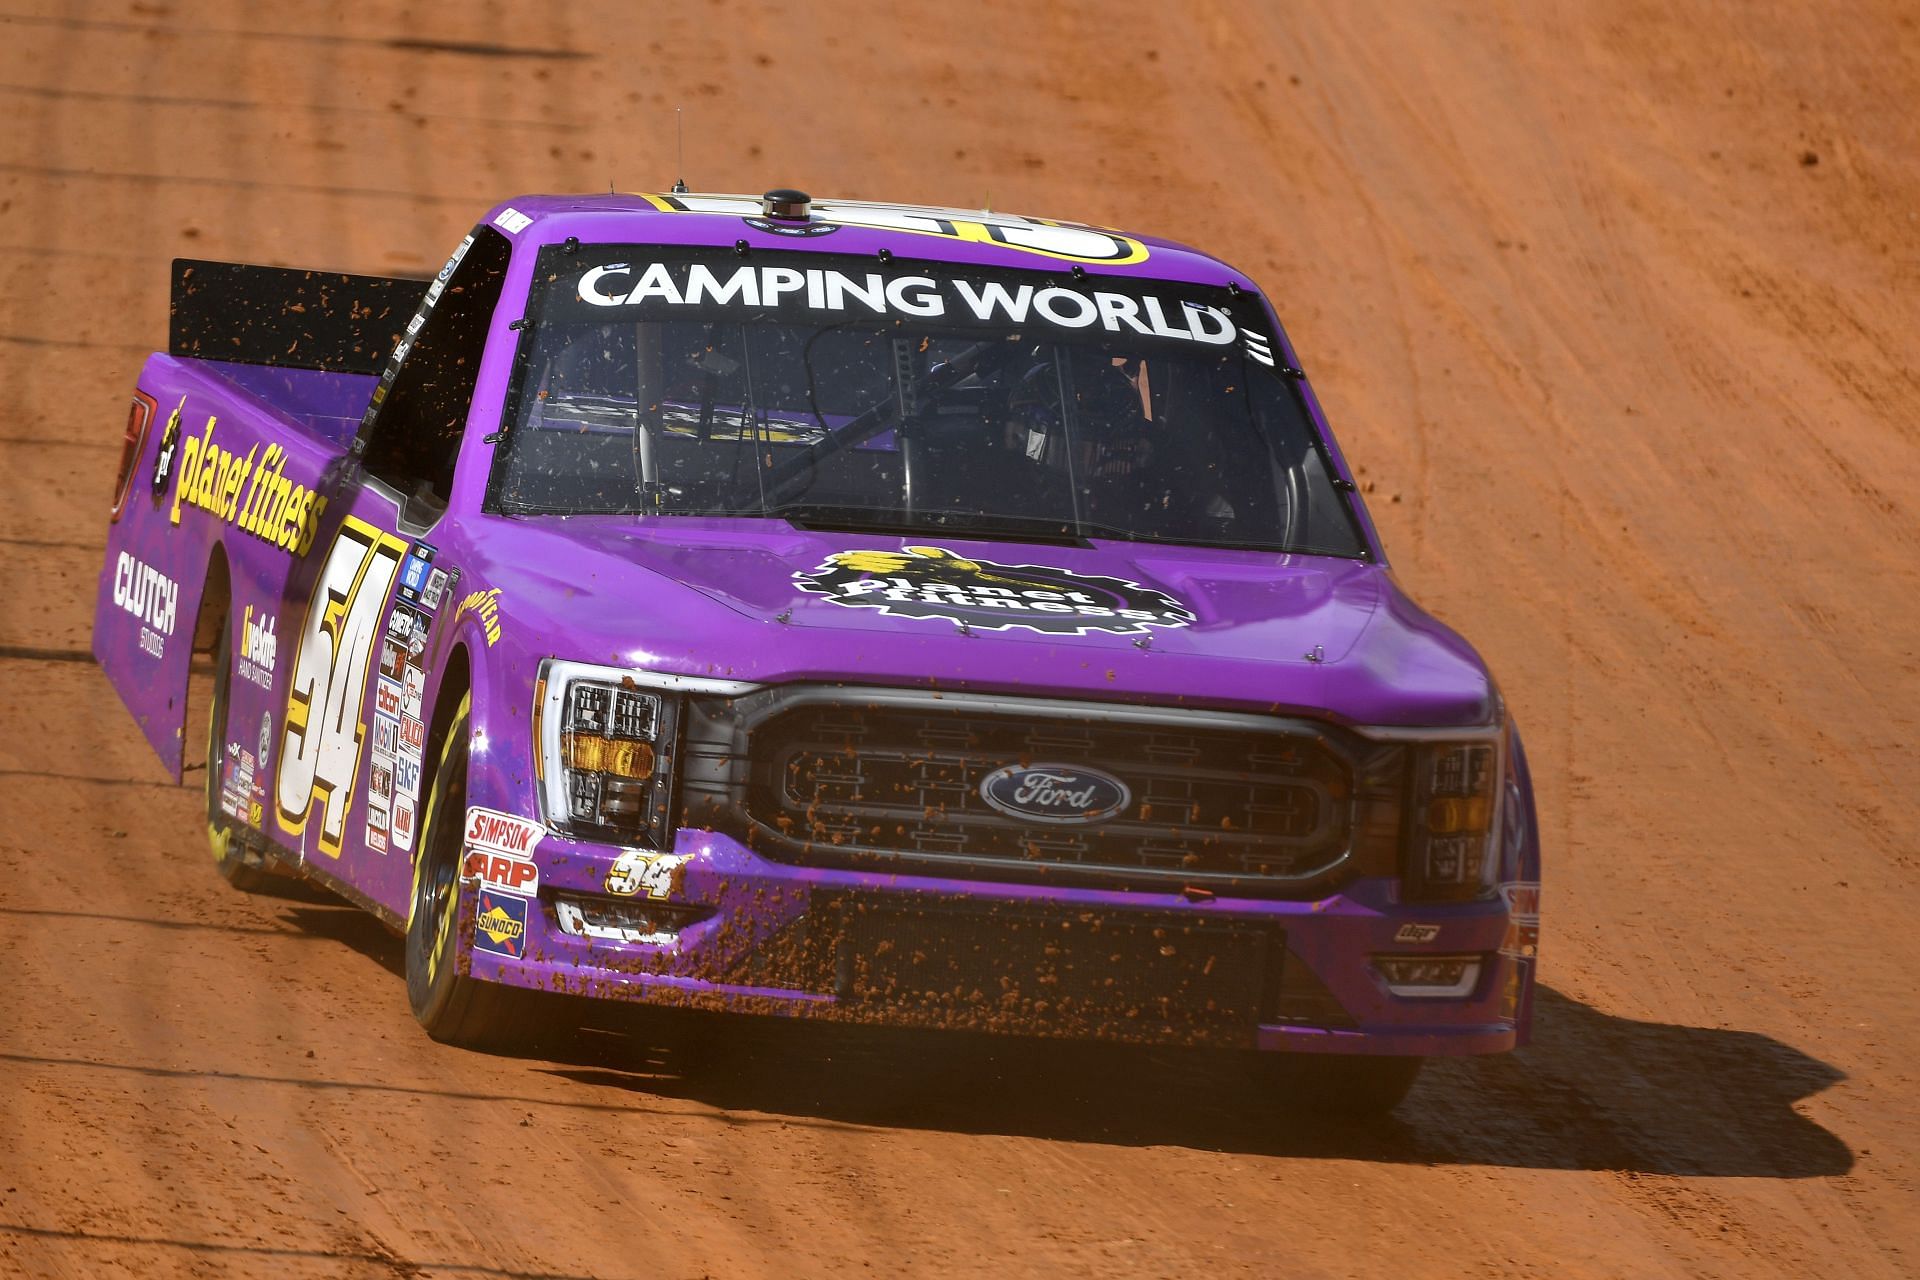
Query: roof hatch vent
point(787, 204)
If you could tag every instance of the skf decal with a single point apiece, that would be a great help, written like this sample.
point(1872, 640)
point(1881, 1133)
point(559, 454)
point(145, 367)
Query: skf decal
point(150, 596)
point(320, 750)
point(651, 875)
point(502, 832)
point(259, 643)
point(500, 924)
point(499, 871)
point(486, 606)
point(1417, 933)
point(931, 582)
point(260, 500)
point(1523, 919)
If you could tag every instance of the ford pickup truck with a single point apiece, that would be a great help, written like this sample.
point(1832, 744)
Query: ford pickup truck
point(864, 612)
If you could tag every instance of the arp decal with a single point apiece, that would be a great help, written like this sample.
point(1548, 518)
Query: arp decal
point(652, 875)
point(500, 924)
point(320, 750)
point(931, 582)
point(1025, 235)
point(501, 871)
point(150, 596)
point(257, 500)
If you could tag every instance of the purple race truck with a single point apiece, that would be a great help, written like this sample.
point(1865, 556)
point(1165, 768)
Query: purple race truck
point(854, 611)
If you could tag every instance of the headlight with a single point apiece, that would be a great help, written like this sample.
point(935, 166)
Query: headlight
point(1436, 795)
point(606, 753)
point(1453, 827)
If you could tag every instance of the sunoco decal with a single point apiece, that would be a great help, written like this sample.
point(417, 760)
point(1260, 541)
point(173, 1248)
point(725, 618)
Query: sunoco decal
point(932, 582)
point(500, 924)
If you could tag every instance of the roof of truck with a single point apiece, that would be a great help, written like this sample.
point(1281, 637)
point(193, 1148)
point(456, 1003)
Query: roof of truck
point(974, 236)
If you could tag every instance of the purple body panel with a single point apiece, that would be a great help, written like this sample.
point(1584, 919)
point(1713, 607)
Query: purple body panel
point(715, 599)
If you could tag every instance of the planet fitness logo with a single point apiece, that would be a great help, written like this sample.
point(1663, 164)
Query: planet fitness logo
point(931, 582)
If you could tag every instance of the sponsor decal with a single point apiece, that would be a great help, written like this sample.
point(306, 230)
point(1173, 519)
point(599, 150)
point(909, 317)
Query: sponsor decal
point(169, 449)
point(258, 500)
point(406, 775)
point(382, 785)
point(259, 643)
point(502, 871)
point(435, 590)
point(651, 875)
point(377, 832)
point(827, 294)
point(149, 596)
point(1417, 933)
point(512, 221)
point(386, 736)
point(484, 605)
point(386, 698)
point(393, 656)
point(502, 832)
point(415, 572)
point(1008, 231)
point(931, 582)
point(408, 627)
point(413, 734)
point(403, 823)
point(414, 685)
point(1523, 919)
point(320, 746)
point(1258, 348)
point(1057, 793)
point(500, 924)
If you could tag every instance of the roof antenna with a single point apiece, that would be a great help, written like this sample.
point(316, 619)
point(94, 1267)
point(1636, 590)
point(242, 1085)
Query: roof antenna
point(680, 142)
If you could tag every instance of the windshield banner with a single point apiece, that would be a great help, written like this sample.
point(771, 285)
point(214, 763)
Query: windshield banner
point(639, 282)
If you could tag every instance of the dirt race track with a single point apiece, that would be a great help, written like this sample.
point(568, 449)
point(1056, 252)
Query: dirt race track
point(1615, 304)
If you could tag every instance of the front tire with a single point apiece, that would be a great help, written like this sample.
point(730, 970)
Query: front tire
point(454, 1008)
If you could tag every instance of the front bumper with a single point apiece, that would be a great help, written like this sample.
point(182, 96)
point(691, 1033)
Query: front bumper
point(1295, 976)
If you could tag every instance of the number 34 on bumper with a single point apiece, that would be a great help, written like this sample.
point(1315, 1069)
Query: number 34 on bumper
point(649, 875)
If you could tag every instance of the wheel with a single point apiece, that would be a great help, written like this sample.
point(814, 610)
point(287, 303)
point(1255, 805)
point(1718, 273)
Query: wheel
point(1351, 1087)
point(239, 864)
point(454, 1008)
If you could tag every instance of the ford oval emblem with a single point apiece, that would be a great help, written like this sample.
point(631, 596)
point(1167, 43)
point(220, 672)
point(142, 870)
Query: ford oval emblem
point(1055, 793)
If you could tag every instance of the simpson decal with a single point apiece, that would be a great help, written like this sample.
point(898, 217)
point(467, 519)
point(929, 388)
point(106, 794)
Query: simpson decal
point(500, 924)
point(502, 832)
point(931, 582)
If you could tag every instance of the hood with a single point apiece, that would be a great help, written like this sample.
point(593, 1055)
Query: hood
point(760, 600)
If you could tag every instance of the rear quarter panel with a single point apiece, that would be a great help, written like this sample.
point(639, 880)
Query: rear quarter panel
point(237, 486)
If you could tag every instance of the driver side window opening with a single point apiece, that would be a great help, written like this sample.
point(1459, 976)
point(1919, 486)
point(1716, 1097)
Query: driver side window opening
point(415, 435)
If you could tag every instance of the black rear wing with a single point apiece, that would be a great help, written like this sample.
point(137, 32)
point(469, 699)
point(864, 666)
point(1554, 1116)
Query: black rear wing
point(286, 317)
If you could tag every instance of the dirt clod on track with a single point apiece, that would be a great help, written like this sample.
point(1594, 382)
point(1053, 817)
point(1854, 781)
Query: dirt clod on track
point(1615, 303)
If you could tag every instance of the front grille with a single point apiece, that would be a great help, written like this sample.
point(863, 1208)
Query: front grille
point(901, 785)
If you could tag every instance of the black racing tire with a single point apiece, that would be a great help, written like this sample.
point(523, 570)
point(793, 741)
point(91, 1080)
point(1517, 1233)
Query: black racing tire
point(1348, 1087)
point(238, 860)
point(454, 1008)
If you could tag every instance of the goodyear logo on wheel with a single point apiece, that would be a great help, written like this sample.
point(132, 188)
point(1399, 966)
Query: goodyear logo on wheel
point(500, 924)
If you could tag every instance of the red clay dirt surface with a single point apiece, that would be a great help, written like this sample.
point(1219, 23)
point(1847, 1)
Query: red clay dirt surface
point(1614, 303)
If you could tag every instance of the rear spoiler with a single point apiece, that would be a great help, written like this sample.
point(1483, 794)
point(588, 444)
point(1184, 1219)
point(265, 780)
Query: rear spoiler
point(289, 318)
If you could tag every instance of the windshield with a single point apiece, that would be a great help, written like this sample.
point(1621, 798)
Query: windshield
point(842, 393)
